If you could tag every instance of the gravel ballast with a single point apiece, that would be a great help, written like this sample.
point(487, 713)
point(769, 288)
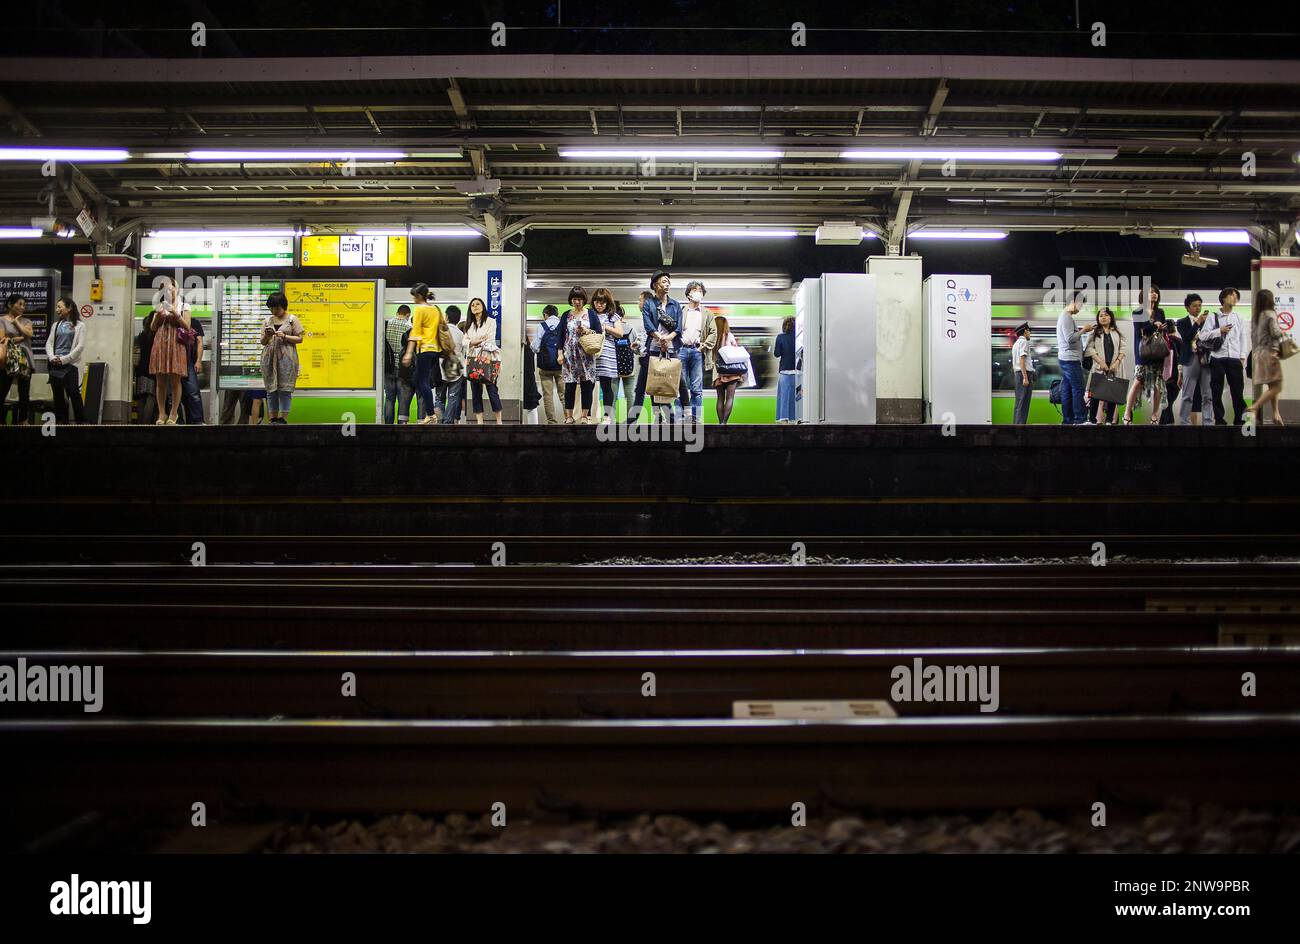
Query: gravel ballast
point(1177, 828)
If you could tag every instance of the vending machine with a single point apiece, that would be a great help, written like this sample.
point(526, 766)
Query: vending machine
point(835, 333)
point(957, 383)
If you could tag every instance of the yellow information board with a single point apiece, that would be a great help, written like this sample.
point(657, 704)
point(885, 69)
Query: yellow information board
point(349, 250)
point(397, 250)
point(320, 250)
point(338, 319)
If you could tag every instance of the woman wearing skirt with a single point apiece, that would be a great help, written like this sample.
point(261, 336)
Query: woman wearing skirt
point(1266, 365)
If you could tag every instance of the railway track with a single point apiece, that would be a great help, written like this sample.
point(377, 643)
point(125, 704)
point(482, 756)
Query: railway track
point(612, 685)
point(524, 685)
point(122, 548)
point(666, 764)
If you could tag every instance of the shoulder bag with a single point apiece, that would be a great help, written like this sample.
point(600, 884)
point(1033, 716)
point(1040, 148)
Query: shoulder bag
point(1153, 349)
point(623, 358)
point(731, 360)
point(15, 361)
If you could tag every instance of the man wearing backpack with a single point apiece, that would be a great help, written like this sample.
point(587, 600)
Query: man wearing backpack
point(546, 346)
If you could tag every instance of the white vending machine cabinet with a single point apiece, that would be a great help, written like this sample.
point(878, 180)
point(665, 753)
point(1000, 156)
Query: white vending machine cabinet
point(958, 381)
point(835, 332)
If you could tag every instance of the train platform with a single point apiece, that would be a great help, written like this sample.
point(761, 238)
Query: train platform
point(536, 482)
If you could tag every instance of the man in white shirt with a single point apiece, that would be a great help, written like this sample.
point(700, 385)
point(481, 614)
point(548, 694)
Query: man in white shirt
point(1229, 361)
point(1022, 374)
point(697, 341)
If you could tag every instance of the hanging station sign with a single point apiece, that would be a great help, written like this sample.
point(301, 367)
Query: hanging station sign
point(216, 251)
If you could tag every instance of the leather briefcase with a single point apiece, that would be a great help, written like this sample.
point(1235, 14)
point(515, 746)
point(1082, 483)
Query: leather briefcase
point(1107, 389)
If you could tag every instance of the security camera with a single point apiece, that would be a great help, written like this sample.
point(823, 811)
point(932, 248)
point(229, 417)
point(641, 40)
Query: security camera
point(48, 225)
point(1198, 261)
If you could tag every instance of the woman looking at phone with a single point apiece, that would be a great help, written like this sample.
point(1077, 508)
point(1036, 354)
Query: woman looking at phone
point(281, 336)
point(168, 358)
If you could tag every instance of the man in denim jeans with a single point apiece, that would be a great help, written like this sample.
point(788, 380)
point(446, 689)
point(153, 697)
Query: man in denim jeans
point(657, 335)
point(699, 335)
point(1069, 353)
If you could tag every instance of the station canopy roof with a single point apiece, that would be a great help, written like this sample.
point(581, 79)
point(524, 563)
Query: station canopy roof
point(1144, 146)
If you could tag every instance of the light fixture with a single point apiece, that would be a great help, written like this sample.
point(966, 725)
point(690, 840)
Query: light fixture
point(63, 154)
point(418, 233)
point(703, 154)
point(294, 155)
point(956, 154)
point(220, 234)
point(1237, 237)
point(957, 234)
point(19, 232)
point(720, 233)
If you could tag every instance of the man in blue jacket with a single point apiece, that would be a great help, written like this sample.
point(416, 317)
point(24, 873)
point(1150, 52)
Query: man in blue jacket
point(655, 313)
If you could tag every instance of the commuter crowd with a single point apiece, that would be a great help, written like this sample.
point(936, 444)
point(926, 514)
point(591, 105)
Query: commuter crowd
point(595, 348)
point(448, 362)
point(1182, 365)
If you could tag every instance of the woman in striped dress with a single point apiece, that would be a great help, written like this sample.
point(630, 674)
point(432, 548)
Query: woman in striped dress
point(611, 322)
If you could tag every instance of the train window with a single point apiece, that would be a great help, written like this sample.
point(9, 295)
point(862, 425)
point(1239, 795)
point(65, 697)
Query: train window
point(1042, 350)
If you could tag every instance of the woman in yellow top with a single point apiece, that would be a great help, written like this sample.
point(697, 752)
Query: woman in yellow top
point(422, 344)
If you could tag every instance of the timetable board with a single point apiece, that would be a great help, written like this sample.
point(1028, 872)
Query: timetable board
point(347, 250)
point(243, 312)
point(338, 318)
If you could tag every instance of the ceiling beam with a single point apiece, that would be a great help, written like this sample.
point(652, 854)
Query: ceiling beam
point(1088, 70)
point(930, 123)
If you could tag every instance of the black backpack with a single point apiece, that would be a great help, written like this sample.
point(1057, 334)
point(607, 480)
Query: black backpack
point(548, 351)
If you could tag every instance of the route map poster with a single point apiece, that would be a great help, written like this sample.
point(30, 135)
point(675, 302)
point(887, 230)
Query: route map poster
point(338, 318)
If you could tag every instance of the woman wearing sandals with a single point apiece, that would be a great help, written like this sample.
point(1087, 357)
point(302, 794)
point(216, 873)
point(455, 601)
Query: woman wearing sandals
point(1107, 352)
point(481, 342)
point(1266, 366)
point(611, 322)
point(281, 336)
point(577, 367)
point(169, 360)
point(1149, 381)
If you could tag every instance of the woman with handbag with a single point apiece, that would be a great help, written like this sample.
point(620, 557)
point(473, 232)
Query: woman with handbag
point(627, 354)
point(169, 358)
point(63, 352)
point(729, 369)
point(1266, 361)
point(607, 366)
point(281, 336)
point(1153, 350)
point(1106, 349)
point(16, 359)
point(484, 358)
point(578, 360)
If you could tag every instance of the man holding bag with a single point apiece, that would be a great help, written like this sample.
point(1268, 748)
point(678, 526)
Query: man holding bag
point(661, 371)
